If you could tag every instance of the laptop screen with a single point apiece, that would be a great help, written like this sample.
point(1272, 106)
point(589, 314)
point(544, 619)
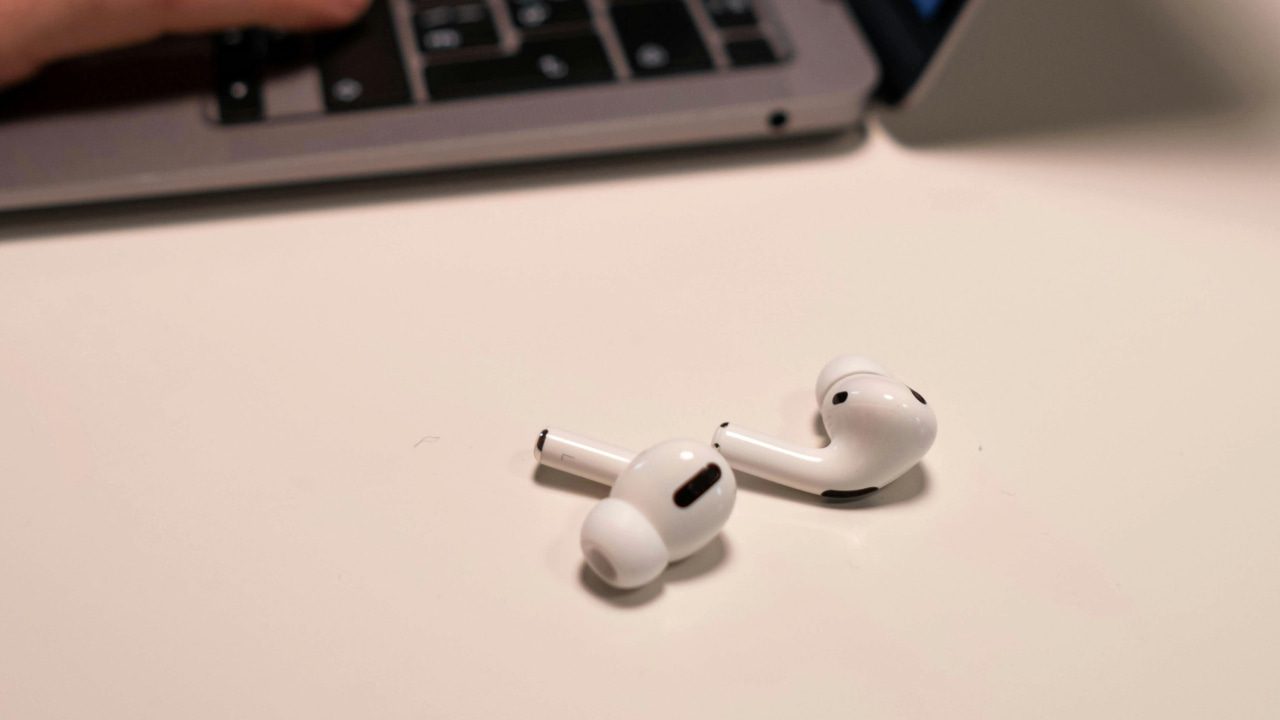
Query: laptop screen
point(927, 8)
point(905, 34)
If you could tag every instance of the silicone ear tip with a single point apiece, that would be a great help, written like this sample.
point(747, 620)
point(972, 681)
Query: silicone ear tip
point(844, 366)
point(621, 545)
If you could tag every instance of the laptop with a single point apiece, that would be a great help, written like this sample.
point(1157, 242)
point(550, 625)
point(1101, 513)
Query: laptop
point(420, 85)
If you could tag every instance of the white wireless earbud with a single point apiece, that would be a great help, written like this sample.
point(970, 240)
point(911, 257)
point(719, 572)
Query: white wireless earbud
point(879, 429)
point(667, 503)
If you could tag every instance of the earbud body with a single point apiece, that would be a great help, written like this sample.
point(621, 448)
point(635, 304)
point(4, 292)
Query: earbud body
point(667, 502)
point(879, 428)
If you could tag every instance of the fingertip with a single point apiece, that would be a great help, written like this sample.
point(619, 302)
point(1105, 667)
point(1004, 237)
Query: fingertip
point(192, 16)
point(15, 71)
point(336, 13)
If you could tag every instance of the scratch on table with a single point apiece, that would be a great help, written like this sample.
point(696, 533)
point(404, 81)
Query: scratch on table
point(427, 439)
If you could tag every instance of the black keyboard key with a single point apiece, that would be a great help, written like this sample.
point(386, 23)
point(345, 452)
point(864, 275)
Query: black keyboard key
point(731, 13)
point(441, 28)
point(539, 65)
point(659, 38)
point(361, 66)
point(745, 53)
point(238, 71)
point(285, 49)
point(537, 14)
point(165, 70)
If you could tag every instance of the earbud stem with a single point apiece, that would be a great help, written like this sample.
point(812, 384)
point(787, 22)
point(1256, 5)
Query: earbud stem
point(802, 468)
point(582, 456)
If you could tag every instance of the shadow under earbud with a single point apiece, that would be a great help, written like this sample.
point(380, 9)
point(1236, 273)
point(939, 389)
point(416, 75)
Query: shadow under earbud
point(703, 562)
point(560, 480)
point(911, 486)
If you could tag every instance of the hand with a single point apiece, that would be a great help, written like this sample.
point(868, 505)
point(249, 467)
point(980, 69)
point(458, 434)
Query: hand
point(36, 32)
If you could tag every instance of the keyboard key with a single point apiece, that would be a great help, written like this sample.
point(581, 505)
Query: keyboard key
point(160, 71)
point(731, 13)
point(285, 49)
point(539, 65)
point(360, 65)
point(659, 38)
point(441, 28)
point(238, 69)
point(538, 14)
point(745, 53)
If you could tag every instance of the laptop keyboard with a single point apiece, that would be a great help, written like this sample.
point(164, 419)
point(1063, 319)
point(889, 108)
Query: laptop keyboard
point(461, 49)
point(540, 64)
point(659, 38)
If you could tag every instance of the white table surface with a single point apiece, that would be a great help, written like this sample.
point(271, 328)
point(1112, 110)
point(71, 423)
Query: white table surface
point(270, 455)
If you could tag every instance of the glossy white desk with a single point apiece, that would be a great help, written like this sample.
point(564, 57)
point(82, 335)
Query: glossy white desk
point(270, 456)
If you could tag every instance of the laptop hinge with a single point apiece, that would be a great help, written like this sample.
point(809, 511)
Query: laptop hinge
point(905, 35)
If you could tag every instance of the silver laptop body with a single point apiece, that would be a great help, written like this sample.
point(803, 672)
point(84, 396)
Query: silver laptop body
point(808, 68)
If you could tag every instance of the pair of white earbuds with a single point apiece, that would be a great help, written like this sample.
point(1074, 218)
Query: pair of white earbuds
point(672, 499)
